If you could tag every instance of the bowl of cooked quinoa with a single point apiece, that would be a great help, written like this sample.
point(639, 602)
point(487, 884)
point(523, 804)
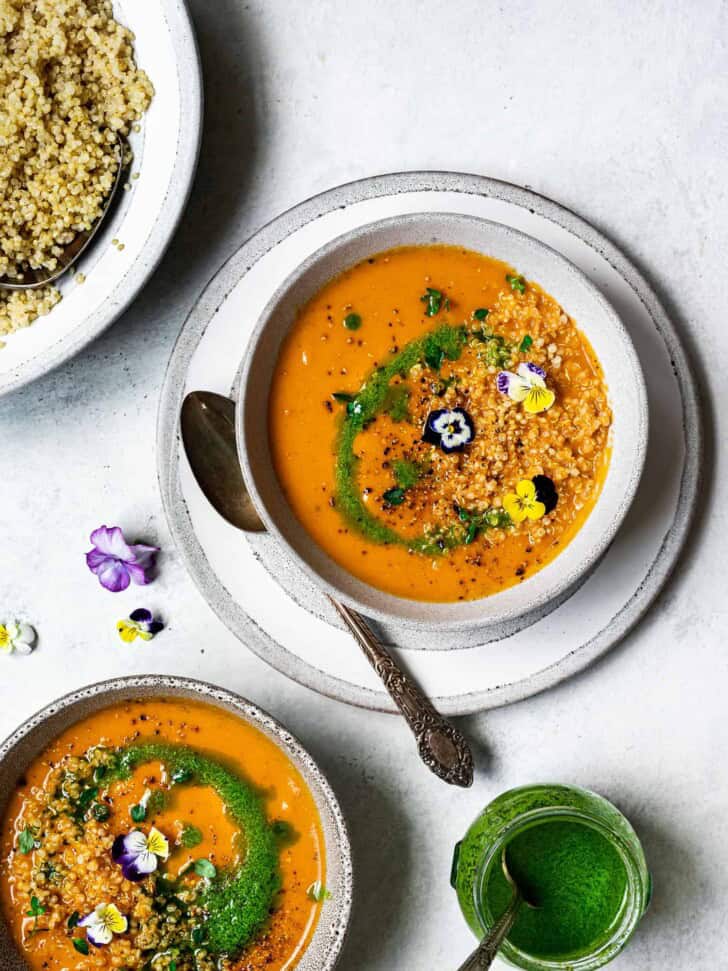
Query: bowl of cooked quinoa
point(442, 422)
point(83, 82)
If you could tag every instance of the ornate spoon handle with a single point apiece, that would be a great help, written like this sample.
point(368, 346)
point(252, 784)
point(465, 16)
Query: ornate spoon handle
point(442, 747)
point(486, 951)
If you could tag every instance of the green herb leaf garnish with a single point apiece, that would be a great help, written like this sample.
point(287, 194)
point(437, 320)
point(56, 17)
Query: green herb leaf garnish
point(342, 396)
point(517, 282)
point(481, 313)
point(318, 892)
point(73, 920)
point(525, 343)
point(138, 813)
point(432, 300)
point(80, 945)
point(352, 321)
point(100, 811)
point(198, 935)
point(203, 868)
point(36, 909)
point(433, 355)
point(394, 497)
point(181, 776)
point(354, 409)
point(397, 402)
point(26, 841)
point(190, 836)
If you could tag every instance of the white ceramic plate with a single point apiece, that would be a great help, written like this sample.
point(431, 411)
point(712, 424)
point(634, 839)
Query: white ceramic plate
point(165, 151)
point(293, 629)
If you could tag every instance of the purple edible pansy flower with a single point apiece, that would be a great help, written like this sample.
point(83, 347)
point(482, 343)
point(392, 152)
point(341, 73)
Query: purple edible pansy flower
point(116, 563)
point(450, 428)
point(138, 855)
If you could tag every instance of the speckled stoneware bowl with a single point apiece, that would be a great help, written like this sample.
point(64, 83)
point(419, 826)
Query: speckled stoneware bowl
point(17, 751)
point(536, 596)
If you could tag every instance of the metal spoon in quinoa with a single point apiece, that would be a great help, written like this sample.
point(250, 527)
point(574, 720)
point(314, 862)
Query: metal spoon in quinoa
point(34, 279)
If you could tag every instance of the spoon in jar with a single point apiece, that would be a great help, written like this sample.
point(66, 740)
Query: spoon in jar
point(208, 434)
point(34, 278)
point(485, 953)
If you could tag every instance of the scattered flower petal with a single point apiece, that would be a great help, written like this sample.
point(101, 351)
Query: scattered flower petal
point(102, 923)
point(138, 855)
point(117, 563)
point(523, 503)
point(527, 386)
point(546, 492)
point(449, 428)
point(17, 636)
point(140, 623)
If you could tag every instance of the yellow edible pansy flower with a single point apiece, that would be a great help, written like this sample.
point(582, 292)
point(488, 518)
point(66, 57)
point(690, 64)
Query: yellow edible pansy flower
point(102, 923)
point(523, 503)
point(527, 386)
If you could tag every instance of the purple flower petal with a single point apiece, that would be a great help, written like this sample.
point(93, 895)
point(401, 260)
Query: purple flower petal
point(110, 540)
point(138, 574)
point(141, 616)
point(113, 575)
point(503, 381)
point(132, 844)
point(531, 369)
point(143, 555)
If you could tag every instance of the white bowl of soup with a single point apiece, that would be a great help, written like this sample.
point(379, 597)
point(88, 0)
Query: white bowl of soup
point(163, 822)
point(443, 421)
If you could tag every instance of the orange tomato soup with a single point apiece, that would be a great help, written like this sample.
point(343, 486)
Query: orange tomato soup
point(401, 357)
point(62, 826)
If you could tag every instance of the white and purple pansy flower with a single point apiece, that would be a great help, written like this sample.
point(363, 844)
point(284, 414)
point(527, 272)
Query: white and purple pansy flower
point(102, 923)
point(117, 563)
point(527, 386)
point(449, 428)
point(139, 855)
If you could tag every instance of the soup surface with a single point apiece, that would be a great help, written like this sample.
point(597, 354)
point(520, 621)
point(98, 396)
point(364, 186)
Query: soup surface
point(438, 424)
point(164, 835)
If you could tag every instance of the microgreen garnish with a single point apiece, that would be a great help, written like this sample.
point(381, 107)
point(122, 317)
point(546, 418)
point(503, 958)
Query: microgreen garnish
point(394, 497)
point(318, 892)
point(517, 282)
point(434, 302)
point(80, 945)
point(481, 313)
point(36, 910)
point(352, 321)
point(83, 803)
point(434, 355)
point(198, 935)
point(342, 396)
point(525, 344)
point(474, 522)
point(26, 841)
point(73, 920)
point(100, 811)
point(203, 868)
point(190, 836)
point(181, 776)
point(138, 812)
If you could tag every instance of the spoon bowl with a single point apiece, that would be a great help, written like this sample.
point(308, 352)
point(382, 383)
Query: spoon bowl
point(34, 279)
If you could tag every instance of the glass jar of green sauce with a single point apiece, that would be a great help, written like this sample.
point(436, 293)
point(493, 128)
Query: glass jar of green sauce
point(572, 852)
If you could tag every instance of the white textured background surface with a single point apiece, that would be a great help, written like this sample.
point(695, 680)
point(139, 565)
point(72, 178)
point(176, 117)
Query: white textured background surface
point(618, 110)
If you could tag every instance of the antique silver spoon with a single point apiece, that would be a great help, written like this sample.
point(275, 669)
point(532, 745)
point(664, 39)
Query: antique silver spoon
point(208, 434)
point(485, 953)
point(33, 279)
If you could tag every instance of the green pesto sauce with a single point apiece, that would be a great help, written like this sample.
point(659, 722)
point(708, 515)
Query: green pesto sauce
point(374, 397)
point(236, 903)
point(578, 879)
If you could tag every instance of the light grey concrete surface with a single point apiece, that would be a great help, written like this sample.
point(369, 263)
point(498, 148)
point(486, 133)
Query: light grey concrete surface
point(620, 111)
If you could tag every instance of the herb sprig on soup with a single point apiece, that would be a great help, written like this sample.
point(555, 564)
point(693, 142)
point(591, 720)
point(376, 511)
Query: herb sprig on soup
point(451, 443)
point(164, 836)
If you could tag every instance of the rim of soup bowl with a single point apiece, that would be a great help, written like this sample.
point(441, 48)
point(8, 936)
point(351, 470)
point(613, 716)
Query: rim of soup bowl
point(31, 738)
point(515, 607)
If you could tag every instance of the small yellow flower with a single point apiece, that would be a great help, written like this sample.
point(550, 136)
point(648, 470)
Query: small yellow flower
point(523, 504)
point(102, 923)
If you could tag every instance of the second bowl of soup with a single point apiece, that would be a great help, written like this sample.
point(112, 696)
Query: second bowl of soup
point(443, 421)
